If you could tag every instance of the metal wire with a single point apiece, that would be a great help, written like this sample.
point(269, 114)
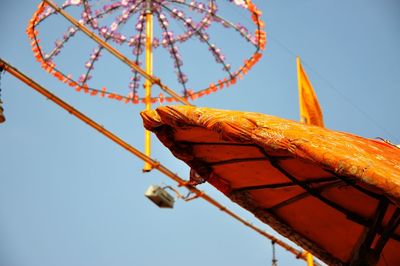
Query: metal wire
point(189, 196)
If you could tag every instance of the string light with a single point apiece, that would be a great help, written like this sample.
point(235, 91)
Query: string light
point(169, 41)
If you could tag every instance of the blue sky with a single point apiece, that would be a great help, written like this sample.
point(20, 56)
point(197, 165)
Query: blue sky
point(69, 196)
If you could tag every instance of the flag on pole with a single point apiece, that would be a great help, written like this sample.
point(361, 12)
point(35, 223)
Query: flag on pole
point(310, 111)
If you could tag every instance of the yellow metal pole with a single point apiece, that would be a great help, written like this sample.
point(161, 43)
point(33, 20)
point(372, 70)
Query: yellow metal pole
point(309, 256)
point(154, 164)
point(116, 53)
point(310, 259)
point(148, 83)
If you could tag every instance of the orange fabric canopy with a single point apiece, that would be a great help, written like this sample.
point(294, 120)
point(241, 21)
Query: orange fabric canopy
point(334, 194)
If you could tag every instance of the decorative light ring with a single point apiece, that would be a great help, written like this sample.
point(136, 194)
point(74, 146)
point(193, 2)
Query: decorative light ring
point(169, 41)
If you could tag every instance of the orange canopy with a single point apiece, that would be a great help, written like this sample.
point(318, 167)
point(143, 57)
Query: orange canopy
point(334, 194)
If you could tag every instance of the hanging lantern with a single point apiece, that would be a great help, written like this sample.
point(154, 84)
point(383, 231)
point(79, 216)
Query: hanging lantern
point(160, 197)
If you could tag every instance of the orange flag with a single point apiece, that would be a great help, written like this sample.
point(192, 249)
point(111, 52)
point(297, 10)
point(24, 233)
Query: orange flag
point(310, 111)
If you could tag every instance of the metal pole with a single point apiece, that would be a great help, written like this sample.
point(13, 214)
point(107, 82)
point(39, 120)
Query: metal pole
point(116, 53)
point(274, 260)
point(148, 83)
point(309, 256)
point(154, 164)
point(310, 259)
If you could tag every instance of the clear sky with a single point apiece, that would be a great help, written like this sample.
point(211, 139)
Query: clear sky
point(69, 196)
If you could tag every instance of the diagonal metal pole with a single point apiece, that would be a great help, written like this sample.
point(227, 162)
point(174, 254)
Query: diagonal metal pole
point(117, 54)
point(156, 165)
